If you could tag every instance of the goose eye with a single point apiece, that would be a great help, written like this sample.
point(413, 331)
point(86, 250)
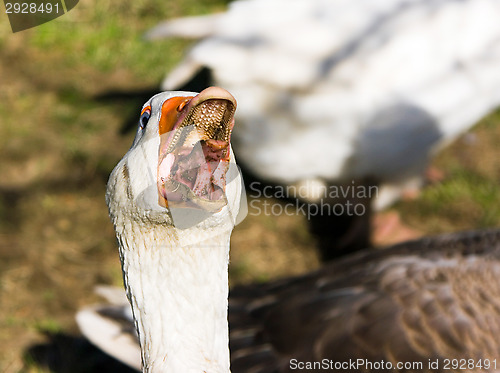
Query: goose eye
point(145, 114)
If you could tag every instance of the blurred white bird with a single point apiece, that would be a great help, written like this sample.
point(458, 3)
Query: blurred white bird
point(346, 92)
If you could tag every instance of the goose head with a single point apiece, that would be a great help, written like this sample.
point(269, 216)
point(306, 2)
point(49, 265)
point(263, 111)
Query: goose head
point(174, 199)
point(181, 159)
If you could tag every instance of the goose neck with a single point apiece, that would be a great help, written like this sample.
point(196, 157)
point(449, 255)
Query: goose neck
point(178, 289)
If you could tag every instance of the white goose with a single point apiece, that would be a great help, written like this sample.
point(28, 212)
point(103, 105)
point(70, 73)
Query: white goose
point(347, 91)
point(173, 200)
point(435, 300)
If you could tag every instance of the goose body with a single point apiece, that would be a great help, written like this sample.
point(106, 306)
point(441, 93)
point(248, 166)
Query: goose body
point(173, 200)
point(344, 91)
point(434, 299)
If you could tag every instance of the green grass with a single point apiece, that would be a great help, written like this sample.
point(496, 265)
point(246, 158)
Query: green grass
point(464, 200)
point(107, 37)
point(492, 120)
point(48, 325)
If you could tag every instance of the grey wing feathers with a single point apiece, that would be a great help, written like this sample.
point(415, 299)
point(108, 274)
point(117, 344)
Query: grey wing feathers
point(433, 298)
point(111, 326)
point(410, 303)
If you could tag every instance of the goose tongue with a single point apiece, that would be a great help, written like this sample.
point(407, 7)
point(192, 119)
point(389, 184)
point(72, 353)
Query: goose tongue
point(197, 171)
point(194, 156)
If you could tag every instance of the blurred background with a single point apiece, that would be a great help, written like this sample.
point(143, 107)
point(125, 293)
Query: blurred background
point(68, 90)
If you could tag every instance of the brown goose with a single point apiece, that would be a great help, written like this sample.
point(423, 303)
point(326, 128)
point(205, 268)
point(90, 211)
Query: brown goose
point(431, 305)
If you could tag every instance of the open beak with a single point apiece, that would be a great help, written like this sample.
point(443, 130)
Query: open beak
point(194, 149)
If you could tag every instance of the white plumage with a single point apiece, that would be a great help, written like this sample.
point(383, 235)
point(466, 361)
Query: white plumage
point(342, 90)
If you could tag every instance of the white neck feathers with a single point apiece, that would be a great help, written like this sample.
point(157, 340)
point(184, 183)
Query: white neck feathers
point(176, 279)
point(178, 293)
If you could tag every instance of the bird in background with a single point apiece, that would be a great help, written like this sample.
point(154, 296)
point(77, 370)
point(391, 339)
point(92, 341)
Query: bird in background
point(429, 305)
point(345, 93)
